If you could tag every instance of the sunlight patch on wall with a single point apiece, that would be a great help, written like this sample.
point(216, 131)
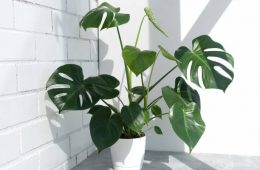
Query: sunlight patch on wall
point(190, 12)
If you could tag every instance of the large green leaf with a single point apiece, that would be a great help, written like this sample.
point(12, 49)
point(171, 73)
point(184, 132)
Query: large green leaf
point(105, 129)
point(184, 117)
point(150, 15)
point(138, 61)
point(104, 85)
point(133, 117)
point(187, 123)
point(98, 109)
point(67, 90)
point(93, 19)
point(203, 48)
point(186, 92)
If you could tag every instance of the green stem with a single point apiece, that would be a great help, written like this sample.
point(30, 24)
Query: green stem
point(128, 73)
point(136, 41)
point(120, 101)
point(110, 106)
point(139, 31)
point(157, 116)
point(150, 78)
point(145, 97)
point(154, 102)
point(139, 99)
point(158, 81)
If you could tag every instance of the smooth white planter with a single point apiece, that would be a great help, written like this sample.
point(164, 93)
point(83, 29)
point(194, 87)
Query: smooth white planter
point(128, 154)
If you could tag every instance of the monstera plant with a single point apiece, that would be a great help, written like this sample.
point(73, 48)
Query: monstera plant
point(68, 89)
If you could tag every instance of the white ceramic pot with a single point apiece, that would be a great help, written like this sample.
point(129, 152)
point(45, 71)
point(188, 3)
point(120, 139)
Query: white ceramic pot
point(128, 154)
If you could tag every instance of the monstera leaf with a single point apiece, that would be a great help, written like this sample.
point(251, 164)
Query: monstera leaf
point(105, 129)
point(150, 15)
point(208, 55)
point(186, 92)
point(93, 19)
point(104, 85)
point(133, 117)
point(184, 113)
point(67, 90)
point(138, 61)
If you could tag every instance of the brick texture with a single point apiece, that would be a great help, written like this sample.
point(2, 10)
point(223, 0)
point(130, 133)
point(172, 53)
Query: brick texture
point(36, 37)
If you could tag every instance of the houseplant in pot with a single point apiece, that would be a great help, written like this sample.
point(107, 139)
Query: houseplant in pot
point(121, 128)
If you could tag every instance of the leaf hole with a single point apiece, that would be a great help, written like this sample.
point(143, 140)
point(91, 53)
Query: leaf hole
point(89, 96)
point(59, 86)
point(103, 20)
point(66, 76)
point(189, 71)
point(213, 49)
point(221, 61)
point(222, 72)
point(81, 100)
point(200, 77)
point(60, 95)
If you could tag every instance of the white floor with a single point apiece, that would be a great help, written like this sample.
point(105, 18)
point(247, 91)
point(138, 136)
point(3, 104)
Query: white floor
point(177, 161)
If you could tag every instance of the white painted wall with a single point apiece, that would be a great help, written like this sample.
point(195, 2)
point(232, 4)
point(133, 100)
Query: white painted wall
point(37, 36)
point(233, 119)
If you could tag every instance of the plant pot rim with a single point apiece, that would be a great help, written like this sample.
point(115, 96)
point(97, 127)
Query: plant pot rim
point(143, 136)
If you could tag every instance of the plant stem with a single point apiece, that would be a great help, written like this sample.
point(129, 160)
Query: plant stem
point(145, 97)
point(120, 101)
point(139, 99)
point(136, 41)
point(154, 102)
point(139, 31)
point(157, 116)
point(150, 77)
point(110, 106)
point(127, 71)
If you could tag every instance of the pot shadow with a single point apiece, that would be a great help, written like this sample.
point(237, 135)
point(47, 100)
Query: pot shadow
point(155, 160)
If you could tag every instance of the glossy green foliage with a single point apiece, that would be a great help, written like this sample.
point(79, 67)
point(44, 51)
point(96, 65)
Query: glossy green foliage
point(166, 54)
point(204, 53)
point(138, 61)
point(67, 90)
point(104, 85)
point(186, 92)
point(93, 19)
point(156, 111)
point(146, 116)
point(133, 117)
point(184, 114)
point(99, 109)
point(158, 130)
point(140, 90)
point(105, 129)
point(151, 17)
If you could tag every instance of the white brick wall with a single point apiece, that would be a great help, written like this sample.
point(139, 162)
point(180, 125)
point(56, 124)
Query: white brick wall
point(37, 36)
point(6, 13)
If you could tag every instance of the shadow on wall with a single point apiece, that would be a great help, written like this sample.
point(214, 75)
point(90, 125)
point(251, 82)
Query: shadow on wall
point(63, 125)
point(169, 17)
